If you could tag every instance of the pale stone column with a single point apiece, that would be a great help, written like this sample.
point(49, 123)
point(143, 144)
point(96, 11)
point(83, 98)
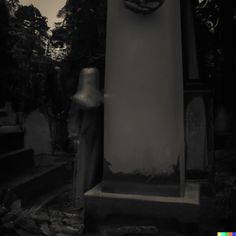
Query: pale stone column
point(143, 119)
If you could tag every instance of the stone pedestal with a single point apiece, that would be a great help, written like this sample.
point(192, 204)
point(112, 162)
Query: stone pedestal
point(118, 208)
point(102, 206)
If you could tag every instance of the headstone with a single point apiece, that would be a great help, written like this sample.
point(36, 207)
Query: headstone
point(37, 133)
point(143, 133)
point(9, 118)
point(196, 134)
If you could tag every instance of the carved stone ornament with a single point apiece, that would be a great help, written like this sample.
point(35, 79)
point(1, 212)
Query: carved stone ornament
point(143, 6)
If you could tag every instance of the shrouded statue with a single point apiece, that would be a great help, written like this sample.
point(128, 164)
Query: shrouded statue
point(143, 6)
point(85, 130)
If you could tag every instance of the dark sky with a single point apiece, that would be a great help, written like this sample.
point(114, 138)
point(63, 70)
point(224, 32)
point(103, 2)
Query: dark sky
point(48, 8)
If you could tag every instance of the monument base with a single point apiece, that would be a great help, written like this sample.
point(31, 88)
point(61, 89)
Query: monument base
point(127, 187)
point(103, 207)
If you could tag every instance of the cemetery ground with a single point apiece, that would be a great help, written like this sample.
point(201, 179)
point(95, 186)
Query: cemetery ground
point(50, 212)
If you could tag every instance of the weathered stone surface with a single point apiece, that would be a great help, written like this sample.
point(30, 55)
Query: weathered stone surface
point(14, 163)
point(11, 138)
point(8, 116)
point(31, 185)
point(102, 206)
point(143, 114)
point(196, 134)
point(37, 134)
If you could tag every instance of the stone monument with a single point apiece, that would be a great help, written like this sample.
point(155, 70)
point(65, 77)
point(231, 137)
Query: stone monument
point(144, 161)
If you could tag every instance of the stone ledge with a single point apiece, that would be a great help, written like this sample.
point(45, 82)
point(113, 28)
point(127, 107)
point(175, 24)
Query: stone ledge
point(101, 206)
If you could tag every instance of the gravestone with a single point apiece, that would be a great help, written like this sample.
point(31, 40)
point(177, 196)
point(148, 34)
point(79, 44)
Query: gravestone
point(196, 135)
point(37, 133)
point(9, 117)
point(144, 170)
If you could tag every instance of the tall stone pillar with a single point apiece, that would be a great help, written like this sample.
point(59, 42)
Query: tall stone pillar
point(143, 135)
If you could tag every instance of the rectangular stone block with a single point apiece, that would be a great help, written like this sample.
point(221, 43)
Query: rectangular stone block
point(143, 134)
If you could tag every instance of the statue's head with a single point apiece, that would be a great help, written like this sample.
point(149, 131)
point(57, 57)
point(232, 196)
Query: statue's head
point(143, 6)
point(88, 95)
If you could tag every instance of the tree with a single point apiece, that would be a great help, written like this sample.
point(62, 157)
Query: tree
point(4, 55)
point(85, 24)
point(28, 41)
point(30, 29)
point(12, 6)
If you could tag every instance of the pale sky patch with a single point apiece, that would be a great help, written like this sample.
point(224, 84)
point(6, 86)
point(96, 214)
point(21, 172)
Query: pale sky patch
point(48, 8)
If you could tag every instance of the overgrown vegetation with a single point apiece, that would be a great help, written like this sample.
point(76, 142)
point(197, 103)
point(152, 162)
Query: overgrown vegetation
point(40, 66)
